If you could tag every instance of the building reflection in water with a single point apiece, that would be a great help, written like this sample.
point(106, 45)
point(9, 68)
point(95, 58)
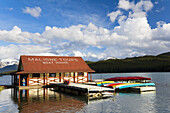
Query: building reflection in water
point(45, 100)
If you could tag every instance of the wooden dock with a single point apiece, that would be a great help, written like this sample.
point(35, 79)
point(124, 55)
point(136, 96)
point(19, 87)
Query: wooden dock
point(30, 87)
point(83, 89)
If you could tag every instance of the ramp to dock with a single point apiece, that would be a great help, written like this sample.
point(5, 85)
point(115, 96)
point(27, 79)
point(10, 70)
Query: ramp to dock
point(82, 87)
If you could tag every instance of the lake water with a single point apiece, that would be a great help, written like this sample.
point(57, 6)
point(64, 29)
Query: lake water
point(45, 100)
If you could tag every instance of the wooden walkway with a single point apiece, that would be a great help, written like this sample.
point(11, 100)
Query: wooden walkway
point(82, 87)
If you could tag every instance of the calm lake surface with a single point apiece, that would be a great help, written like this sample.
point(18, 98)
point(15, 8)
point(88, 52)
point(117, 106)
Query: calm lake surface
point(45, 100)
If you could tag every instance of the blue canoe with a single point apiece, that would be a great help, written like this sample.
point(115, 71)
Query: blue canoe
point(136, 85)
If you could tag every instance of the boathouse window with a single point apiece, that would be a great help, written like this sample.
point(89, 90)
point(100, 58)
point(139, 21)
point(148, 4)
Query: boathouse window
point(57, 74)
point(72, 74)
point(67, 74)
point(36, 75)
point(52, 75)
point(81, 73)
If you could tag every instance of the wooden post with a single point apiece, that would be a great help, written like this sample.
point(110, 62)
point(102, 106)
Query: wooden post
point(87, 77)
point(28, 78)
point(82, 77)
point(59, 77)
point(12, 79)
point(70, 77)
point(19, 97)
point(74, 77)
point(91, 77)
point(63, 76)
point(38, 81)
point(46, 79)
point(27, 95)
point(77, 77)
point(19, 80)
point(54, 77)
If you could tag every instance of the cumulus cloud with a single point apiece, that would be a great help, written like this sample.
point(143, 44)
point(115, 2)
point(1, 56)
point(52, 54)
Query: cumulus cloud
point(113, 15)
point(14, 51)
point(162, 32)
point(89, 55)
point(139, 7)
point(125, 4)
point(35, 12)
point(15, 35)
point(133, 36)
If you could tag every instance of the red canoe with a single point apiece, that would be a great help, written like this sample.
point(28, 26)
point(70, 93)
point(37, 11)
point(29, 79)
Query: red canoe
point(127, 78)
point(111, 85)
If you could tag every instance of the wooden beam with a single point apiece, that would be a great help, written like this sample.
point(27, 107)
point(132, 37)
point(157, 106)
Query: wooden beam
point(59, 77)
point(77, 77)
point(12, 79)
point(74, 75)
point(63, 76)
point(28, 78)
point(44, 79)
point(19, 80)
point(87, 77)
point(19, 96)
point(27, 95)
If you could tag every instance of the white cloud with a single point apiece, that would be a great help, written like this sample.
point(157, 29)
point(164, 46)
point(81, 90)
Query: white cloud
point(162, 32)
point(138, 7)
point(14, 51)
point(35, 12)
point(114, 15)
point(160, 23)
point(137, 10)
point(89, 55)
point(143, 6)
point(133, 36)
point(10, 9)
point(15, 35)
point(125, 4)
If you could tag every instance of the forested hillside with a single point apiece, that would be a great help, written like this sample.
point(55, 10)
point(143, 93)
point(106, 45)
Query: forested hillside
point(8, 69)
point(160, 63)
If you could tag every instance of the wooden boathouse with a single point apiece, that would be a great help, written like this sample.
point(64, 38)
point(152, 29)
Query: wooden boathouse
point(43, 70)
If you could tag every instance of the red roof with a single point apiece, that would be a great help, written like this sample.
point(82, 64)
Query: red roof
point(127, 78)
point(52, 64)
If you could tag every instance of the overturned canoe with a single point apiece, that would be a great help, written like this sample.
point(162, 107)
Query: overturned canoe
point(135, 85)
point(103, 83)
point(127, 78)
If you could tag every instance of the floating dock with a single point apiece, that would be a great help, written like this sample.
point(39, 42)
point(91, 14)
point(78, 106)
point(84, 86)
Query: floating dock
point(83, 89)
point(30, 87)
point(137, 89)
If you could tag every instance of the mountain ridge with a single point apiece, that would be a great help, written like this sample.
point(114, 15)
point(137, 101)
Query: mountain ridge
point(147, 63)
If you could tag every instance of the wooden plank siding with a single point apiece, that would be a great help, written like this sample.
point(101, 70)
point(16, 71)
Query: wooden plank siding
point(43, 70)
point(46, 80)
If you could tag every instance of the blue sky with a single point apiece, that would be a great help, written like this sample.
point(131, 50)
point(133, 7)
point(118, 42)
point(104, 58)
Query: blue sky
point(92, 29)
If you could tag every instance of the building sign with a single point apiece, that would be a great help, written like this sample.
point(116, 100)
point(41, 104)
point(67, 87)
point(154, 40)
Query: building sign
point(53, 60)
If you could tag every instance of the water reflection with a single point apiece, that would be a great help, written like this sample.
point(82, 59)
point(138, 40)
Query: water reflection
point(37, 101)
point(45, 100)
point(136, 103)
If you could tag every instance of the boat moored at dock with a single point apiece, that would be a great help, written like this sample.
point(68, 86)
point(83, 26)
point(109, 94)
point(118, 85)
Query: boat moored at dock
point(131, 83)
